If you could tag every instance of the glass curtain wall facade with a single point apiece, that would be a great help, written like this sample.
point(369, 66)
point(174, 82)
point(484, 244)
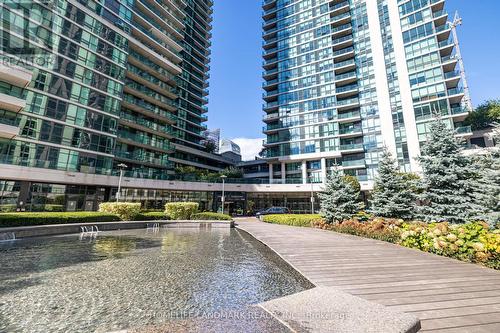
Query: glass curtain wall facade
point(88, 84)
point(344, 78)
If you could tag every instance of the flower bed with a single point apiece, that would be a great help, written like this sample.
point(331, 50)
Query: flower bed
point(297, 220)
point(473, 242)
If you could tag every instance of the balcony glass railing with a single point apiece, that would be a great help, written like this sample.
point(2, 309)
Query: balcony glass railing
point(463, 130)
point(459, 110)
point(339, 5)
point(348, 101)
point(351, 146)
point(452, 74)
point(268, 83)
point(350, 130)
point(270, 105)
point(346, 88)
point(340, 16)
point(445, 43)
point(345, 76)
point(341, 27)
point(341, 39)
point(455, 91)
point(345, 63)
point(343, 51)
point(354, 163)
point(347, 115)
point(443, 27)
point(439, 13)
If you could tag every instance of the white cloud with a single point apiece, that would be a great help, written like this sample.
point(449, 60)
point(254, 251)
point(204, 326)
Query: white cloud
point(249, 147)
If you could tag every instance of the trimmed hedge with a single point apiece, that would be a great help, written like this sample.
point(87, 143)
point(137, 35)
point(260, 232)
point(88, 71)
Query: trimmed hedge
point(209, 216)
point(127, 211)
point(297, 220)
point(29, 219)
point(181, 210)
point(151, 216)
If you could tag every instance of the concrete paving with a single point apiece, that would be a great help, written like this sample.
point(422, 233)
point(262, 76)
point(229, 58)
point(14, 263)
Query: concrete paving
point(325, 309)
point(446, 294)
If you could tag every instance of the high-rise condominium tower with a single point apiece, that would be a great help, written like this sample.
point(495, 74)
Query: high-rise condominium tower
point(344, 78)
point(88, 85)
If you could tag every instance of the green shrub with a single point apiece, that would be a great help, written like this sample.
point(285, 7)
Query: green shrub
point(298, 220)
point(53, 208)
point(151, 216)
point(8, 208)
point(127, 211)
point(181, 210)
point(29, 219)
point(209, 216)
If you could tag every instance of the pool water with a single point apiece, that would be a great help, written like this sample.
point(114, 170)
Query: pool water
point(142, 280)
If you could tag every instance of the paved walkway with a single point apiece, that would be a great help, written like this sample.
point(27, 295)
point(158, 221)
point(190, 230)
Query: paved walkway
point(446, 294)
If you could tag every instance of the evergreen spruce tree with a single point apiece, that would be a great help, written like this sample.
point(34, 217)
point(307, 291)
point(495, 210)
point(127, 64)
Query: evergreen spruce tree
point(339, 200)
point(450, 179)
point(392, 195)
point(490, 181)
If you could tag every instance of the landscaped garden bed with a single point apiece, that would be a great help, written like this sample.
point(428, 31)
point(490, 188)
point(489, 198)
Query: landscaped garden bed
point(472, 242)
point(112, 212)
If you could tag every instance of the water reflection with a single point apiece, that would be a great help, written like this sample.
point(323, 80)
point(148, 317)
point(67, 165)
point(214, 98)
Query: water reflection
point(135, 278)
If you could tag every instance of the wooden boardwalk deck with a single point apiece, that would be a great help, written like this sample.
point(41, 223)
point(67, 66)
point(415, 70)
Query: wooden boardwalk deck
point(446, 294)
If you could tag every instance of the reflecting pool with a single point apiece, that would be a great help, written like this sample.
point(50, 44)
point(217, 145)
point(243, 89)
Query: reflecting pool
point(140, 281)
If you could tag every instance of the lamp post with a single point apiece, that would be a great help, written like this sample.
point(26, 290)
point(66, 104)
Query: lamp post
point(121, 166)
point(223, 199)
point(312, 195)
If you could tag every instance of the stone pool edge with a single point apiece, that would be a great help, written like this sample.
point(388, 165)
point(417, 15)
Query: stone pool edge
point(74, 228)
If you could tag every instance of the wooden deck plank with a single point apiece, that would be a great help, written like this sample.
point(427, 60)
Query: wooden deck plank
point(448, 295)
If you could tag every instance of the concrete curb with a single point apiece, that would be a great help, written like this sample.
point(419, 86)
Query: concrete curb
point(73, 228)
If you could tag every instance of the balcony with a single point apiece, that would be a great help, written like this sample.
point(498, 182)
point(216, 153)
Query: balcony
point(271, 116)
point(346, 78)
point(446, 47)
point(452, 79)
point(343, 54)
point(339, 8)
point(15, 75)
point(8, 128)
point(11, 103)
point(341, 19)
point(459, 113)
point(269, 73)
point(349, 116)
point(353, 164)
point(270, 106)
point(342, 30)
point(443, 32)
point(342, 42)
point(350, 131)
point(463, 131)
point(440, 17)
point(269, 94)
point(449, 63)
point(344, 66)
point(347, 91)
point(347, 103)
point(455, 95)
point(351, 147)
point(270, 84)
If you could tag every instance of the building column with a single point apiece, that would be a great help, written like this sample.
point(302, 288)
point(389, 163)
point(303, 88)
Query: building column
point(323, 170)
point(304, 172)
point(283, 173)
point(270, 173)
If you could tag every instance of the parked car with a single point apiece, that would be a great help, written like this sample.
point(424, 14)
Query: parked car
point(273, 210)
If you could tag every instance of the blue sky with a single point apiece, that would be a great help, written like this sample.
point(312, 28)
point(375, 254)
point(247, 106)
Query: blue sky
point(235, 83)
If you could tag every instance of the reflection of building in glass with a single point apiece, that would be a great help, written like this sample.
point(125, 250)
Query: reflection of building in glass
point(212, 136)
point(230, 150)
